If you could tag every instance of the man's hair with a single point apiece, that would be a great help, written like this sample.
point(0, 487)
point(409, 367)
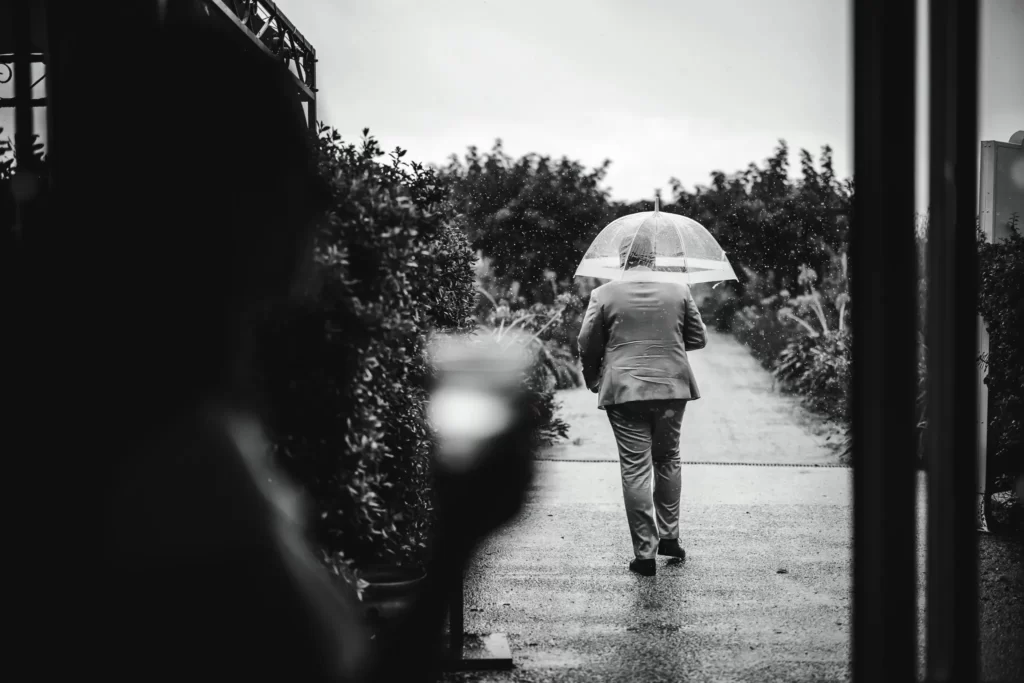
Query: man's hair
point(639, 249)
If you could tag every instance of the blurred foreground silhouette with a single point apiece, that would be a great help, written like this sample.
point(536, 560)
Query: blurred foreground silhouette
point(151, 536)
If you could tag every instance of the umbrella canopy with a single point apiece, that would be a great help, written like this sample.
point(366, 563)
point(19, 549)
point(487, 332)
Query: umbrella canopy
point(673, 248)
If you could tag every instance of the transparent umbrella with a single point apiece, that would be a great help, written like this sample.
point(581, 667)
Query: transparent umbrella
point(673, 248)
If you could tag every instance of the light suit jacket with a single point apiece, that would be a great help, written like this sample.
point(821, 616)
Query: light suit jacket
point(634, 340)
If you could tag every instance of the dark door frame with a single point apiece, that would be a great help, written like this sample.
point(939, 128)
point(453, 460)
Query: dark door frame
point(884, 283)
point(883, 291)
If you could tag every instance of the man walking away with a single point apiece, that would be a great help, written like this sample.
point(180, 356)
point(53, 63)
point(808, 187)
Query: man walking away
point(633, 344)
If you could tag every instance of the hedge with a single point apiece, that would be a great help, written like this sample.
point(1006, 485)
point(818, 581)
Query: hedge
point(1001, 304)
point(345, 365)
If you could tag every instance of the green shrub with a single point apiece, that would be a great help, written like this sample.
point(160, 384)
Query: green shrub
point(1001, 303)
point(815, 361)
point(555, 327)
point(345, 365)
point(760, 329)
point(7, 207)
point(757, 322)
point(542, 385)
point(8, 170)
point(534, 216)
point(818, 368)
point(1002, 306)
point(771, 222)
point(6, 158)
point(556, 367)
point(719, 304)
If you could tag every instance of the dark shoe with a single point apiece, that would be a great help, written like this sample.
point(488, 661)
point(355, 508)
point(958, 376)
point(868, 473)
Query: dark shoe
point(671, 547)
point(643, 567)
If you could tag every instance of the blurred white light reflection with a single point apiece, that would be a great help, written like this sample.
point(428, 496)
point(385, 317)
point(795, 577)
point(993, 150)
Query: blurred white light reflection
point(479, 378)
point(463, 417)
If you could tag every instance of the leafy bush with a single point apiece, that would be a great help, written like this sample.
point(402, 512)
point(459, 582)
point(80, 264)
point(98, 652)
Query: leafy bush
point(6, 158)
point(758, 324)
point(773, 228)
point(815, 362)
point(542, 385)
point(345, 365)
point(555, 326)
point(828, 307)
point(761, 330)
point(1002, 306)
point(1001, 303)
point(36, 183)
point(7, 207)
point(532, 217)
point(770, 223)
point(818, 368)
point(556, 369)
point(719, 304)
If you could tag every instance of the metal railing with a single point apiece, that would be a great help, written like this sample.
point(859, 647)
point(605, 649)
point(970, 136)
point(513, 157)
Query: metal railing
point(267, 27)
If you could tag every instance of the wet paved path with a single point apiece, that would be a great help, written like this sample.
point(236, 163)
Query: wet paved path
point(764, 593)
point(740, 416)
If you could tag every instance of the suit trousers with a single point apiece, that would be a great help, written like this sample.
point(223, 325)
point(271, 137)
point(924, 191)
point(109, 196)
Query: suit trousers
point(647, 436)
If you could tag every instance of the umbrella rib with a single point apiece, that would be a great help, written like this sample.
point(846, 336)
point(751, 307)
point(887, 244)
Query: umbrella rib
point(625, 261)
point(682, 243)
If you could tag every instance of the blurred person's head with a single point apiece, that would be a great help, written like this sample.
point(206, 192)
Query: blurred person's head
point(181, 194)
point(200, 192)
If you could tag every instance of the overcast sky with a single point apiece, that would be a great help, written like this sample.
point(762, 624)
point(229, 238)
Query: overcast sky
point(661, 87)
